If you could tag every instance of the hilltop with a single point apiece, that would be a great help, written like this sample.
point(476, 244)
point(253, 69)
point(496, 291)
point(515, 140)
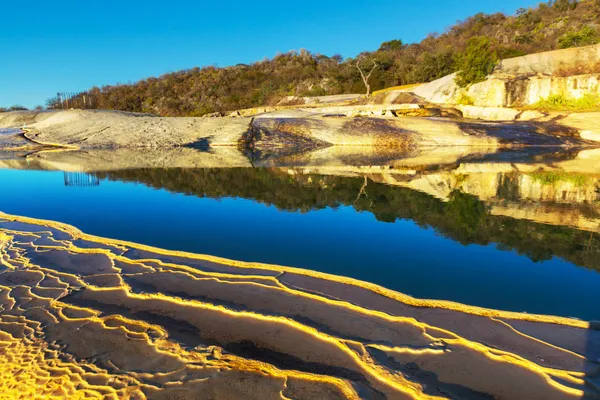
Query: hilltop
point(198, 91)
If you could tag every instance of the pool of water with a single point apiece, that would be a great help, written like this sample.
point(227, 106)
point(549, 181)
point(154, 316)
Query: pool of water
point(400, 238)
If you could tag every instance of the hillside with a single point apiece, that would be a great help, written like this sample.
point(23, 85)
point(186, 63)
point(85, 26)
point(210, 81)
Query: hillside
point(198, 91)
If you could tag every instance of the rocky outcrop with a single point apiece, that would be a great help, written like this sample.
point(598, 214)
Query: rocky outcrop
point(538, 88)
point(509, 91)
point(550, 62)
point(523, 81)
point(103, 318)
point(284, 129)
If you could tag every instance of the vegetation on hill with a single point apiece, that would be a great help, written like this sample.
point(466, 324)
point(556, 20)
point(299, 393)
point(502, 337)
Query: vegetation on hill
point(198, 91)
point(13, 108)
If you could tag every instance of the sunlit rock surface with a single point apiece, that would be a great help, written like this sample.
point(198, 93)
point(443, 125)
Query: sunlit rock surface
point(280, 131)
point(91, 317)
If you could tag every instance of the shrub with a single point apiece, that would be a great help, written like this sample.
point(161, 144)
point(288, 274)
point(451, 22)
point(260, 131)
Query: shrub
point(391, 45)
point(17, 108)
point(562, 102)
point(432, 66)
point(582, 69)
point(464, 99)
point(583, 37)
point(564, 5)
point(477, 62)
point(509, 52)
point(553, 177)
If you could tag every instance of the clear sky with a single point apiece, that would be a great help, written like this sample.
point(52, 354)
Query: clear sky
point(71, 45)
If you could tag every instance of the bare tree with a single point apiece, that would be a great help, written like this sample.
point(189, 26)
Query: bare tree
point(366, 77)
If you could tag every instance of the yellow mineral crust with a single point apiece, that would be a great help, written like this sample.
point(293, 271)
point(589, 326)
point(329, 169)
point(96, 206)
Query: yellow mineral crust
point(89, 317)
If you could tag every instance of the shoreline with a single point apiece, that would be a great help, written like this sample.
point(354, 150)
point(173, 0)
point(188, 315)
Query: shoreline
point(232, 302)
point(403, 298)
point(297, 130)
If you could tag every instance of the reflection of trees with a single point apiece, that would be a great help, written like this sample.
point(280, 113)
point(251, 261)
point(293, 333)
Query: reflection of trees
point(464, 218)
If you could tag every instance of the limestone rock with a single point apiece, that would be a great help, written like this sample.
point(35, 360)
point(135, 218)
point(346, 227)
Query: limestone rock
point(489, 93)
point(548, 63)
point(489, 113)
point(530, 115)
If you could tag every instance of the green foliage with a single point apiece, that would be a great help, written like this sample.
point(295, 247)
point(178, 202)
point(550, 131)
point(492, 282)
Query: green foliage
point(17, 108)
point(477, 62)
point(464, 99)
point(561, 102)
point(392, 45)
point(526, 38)
point(554, 177)
point(509, 52)
point(467, 212)
point(13, 108)
point(583, 37)
point(564, 5)
point(432, 66)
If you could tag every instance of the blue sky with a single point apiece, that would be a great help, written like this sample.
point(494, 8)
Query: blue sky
point(67, 45)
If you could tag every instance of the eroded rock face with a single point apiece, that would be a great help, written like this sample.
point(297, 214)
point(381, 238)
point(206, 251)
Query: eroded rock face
point(550, 62)
point(293, 131)
point(575, 87)
point(523, 81)
point(118, 320)
point(510, 91)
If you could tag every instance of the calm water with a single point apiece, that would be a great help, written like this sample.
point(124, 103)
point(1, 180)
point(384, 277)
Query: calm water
point(395, 237)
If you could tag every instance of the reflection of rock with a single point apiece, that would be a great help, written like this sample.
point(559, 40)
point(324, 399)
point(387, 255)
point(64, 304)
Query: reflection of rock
point(384, 192)
point(557, 198)
point(116, 159)
point(340, 157)
point(584, 218)
point(115, 319)
point(438, 171)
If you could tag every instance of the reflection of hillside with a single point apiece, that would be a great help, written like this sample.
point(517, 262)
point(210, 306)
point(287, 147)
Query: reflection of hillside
point(552, 197)
point(461, 216)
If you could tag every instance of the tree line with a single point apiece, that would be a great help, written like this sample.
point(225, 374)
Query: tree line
point(472, 46)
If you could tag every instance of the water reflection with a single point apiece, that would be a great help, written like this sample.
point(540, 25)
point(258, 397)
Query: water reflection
point(81, 179)
point(539, 214)
point(469, 232)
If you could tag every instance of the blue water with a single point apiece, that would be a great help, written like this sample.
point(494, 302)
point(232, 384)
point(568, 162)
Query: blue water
point(401, 255)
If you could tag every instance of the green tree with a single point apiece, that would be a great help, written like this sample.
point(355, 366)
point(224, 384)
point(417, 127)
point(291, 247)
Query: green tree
point(477, 62)
point(564, 5)
point(18, 108)
point(432, 66)
point(584, 37)
point(392, 45)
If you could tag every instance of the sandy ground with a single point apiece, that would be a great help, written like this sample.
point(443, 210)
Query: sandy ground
point(115, 320)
